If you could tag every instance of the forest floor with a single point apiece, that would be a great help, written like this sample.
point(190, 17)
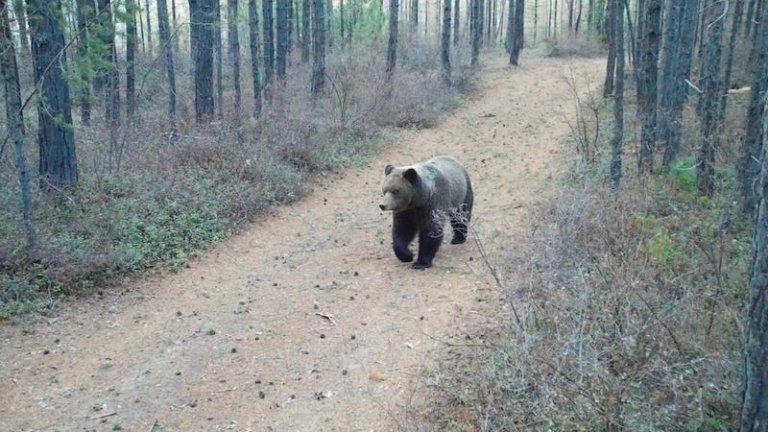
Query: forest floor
point(306, 321)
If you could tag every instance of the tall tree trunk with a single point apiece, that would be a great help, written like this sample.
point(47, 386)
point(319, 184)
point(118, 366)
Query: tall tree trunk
point(149, 30)
point(750, 17)
point(19, 9)
point(618, 101)
point(510, 34)
point(474, 31)
point(202, 17)
point(219, 50)
point(130, 59)
point(328, 22)
point(281, 35)
point(141, 26)
point(668, 63)
point(233, 39)
point(85, 12)
point(456, 22)
point(578, 17)
point(570, 15)
point(165, 42)
point(712, 91)
point(446, 42)
point(519, 39)
point(754, 409)
point(610, 68)
point(269, 47)
point(683, 54)
point(56, 137)
point(750, 144)
point(535, 19)
point(342, 30)
point(15, 121)
point(175, 25)
point(255, 43)
point(414, 15)
point(289, 30)
point(649, 76)
point(392, 43)
point(305, 30)
point(735, 23)
point(318, 48)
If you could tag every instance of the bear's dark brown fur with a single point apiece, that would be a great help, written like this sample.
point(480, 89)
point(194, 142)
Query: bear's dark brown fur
point(422, 197)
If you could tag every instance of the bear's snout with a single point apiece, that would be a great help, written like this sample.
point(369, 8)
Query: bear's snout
point(382, 206)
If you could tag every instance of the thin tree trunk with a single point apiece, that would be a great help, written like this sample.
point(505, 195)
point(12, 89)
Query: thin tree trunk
point(149, 31)
point(289, 31)
point(679, 91)
point(649, 70)
point(255, 43)
point(305, 31)
point(668, 55)
point(618, 101)
point(475, 32)
point(328, 23)
point(510, 34)
point(342, 30)
point(570, 15)
point(750, 18)
point(56, 137)
point(517, 33)
point(233, 39)
point(535, 19)
point(130, 59)
point(750, 144)
point(141, 25)
point(281, 34)
point(735, 23)
point(712, 91)
point(610, 68)
point(84, 16)
point(754, 411)
point(578, 17)
point(318, 48)
point(165, 42)
point(392, 44)
point(19, 9)
point(219, 50)
point(202, 16)
point(269, 47)
point(175, 25)
point(446, 42)
point(456, 22)
point(15, 122)
point(414, 15)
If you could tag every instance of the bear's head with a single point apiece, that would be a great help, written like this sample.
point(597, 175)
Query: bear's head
point(399, 188)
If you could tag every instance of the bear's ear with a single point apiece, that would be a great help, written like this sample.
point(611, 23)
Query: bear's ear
point(411, 175)
point(388, 169)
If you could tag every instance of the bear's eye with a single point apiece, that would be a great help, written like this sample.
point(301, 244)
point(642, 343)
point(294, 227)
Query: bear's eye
point(395, 192)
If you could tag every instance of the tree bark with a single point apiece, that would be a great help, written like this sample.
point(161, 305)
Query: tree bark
point(668, 63)
point(456, 22)
point(219, 52)
point(610, 65)
point(84, 16)
point(683, 54)
point(15, 122)
point(754, 409)
point(19, 10)
point(55, 136)
point(305, 30)
point(202, 29)
point(255, 43)
point(517, 33)
point(392, 43)
point(414, 15)
point(269, 47)
point(130, 59)
point(318, 48)
point(474, 30)
point(233, 40)
point(446, 42)
point(750, 144)
point(281, 35)
point(735, 23)
point(618, 104)
point(165, 42)
point(710, 99)
point(649, 76)
point(149, 31)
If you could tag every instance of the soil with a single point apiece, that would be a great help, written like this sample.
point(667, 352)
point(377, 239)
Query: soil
point(306, 321)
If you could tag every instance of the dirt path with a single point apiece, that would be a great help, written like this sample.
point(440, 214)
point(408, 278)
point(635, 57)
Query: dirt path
point(235, 341)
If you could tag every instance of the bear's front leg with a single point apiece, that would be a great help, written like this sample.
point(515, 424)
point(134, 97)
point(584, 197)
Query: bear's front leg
point(404, 227)
point(429, 242)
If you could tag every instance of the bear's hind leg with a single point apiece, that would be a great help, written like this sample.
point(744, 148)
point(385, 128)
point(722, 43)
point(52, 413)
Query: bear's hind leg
point(404, 229)
point(429, 243)
point(459, 222)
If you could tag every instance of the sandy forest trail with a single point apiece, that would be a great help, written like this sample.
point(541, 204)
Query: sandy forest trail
point(241, 339)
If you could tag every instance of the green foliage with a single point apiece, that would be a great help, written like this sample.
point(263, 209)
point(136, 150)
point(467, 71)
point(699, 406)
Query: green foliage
point(370, 22)
point(683, 173)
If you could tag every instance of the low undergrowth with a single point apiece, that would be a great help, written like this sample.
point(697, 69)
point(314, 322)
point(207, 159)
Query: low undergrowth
point(625, 310)
point(160, 195)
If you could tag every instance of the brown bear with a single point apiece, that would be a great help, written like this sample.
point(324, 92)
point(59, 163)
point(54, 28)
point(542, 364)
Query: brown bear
point(422, 197)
